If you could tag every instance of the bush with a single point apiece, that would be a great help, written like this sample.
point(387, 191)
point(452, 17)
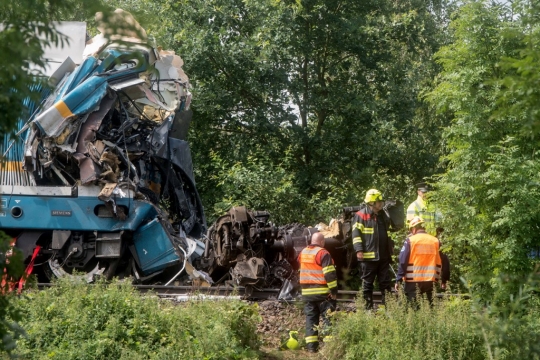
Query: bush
point(489, 191)
point(511, 326)
point(453, 329)
point(445, 332)
point(11, 268)
point(113, 321)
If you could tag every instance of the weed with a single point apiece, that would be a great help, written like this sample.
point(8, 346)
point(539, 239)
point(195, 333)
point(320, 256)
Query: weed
point(113, 321)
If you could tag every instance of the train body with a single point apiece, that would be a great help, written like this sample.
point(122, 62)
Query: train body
point(100, 177)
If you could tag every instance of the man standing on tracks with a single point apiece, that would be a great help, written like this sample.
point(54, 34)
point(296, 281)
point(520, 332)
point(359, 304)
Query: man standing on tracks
point(422, 208)
point(318, 279)
point(421, 263)
point(373, 246)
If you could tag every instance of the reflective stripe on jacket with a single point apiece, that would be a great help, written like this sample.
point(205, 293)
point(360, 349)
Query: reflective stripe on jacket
point(420, 208)
point(365, 236)
point(424, 260)
point(317, 272)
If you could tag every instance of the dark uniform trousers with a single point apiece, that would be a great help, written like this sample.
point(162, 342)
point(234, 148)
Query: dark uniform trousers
point(314, 309)
point(420, 287)
point(370, 270)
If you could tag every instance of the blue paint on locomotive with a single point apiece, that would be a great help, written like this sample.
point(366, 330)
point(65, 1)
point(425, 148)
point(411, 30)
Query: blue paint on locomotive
point(152, 243)
point(80, 94)
point(154, 248)
point(76, 214)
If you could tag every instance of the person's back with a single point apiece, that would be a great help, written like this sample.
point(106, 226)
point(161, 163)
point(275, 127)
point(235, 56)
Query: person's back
point(318, 279)
point(421, 263)
point(312, 280)
point(424, 261)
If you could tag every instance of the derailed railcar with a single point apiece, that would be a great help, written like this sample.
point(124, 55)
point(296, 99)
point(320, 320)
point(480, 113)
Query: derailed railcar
point(246, 249)
point(101, 181)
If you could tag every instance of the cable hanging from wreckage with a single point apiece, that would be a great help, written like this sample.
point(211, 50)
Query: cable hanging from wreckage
point(107, 185)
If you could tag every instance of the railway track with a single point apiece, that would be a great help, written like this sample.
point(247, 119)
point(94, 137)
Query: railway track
point(222, 291)
point(244, 293)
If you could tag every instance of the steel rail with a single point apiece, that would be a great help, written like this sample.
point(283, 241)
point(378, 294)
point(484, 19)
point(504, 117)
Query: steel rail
point(246, 293)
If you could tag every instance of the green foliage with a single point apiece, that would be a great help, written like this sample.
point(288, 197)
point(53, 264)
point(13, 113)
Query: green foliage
point(249, 185)
point(10, 267)
point(511, 326)
point(260, 185)
point(521, 94)
point(445, 332)
point(326, 92)
point(27, 30)
point(113, 321)
point(452, 329)
point(489, 192)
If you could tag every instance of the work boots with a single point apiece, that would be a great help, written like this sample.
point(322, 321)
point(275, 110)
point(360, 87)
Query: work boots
point(368, 297)
point(384, 294)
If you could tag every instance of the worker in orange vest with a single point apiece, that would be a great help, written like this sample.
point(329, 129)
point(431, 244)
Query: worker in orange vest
point(421, 263)
point(318, 279)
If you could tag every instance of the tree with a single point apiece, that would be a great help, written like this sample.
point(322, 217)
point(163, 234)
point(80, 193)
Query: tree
point(326, 90)
point(489, 192)
point(27, 28)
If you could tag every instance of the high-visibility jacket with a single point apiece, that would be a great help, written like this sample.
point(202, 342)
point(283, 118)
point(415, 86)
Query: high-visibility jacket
point(318, 276)
point(365, 233)
point(424, 259)
point(421, 208)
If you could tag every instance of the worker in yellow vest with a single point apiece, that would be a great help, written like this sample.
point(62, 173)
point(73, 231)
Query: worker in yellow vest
point(422, 208)
point(421, 262)
point(318, 279)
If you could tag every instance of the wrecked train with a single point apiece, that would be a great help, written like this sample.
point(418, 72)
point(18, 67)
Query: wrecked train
point(99, 180)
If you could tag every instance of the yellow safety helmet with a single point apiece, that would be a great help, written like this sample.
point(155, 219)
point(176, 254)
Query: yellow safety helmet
point(415, 221)
point(373, 195)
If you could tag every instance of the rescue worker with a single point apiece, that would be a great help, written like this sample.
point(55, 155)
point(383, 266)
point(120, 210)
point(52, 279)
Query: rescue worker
point(318, 279)
point(422, 208)
point(373, 246)
point(421, 262)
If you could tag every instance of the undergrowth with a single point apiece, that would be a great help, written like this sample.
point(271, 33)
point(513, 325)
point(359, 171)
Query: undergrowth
point(454, 329)
point(113, 321)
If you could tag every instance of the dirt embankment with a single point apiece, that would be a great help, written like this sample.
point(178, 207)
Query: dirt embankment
point(280, 317)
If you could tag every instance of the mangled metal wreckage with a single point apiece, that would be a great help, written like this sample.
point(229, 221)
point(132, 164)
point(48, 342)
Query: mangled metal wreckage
point(102, 182)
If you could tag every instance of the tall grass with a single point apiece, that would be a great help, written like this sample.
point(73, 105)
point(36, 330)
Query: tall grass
point(445, 331)
point(452, 330)
point(113, 321)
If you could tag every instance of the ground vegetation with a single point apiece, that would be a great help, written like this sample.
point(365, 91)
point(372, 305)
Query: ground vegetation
point(454, 328)
point(104, 321)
